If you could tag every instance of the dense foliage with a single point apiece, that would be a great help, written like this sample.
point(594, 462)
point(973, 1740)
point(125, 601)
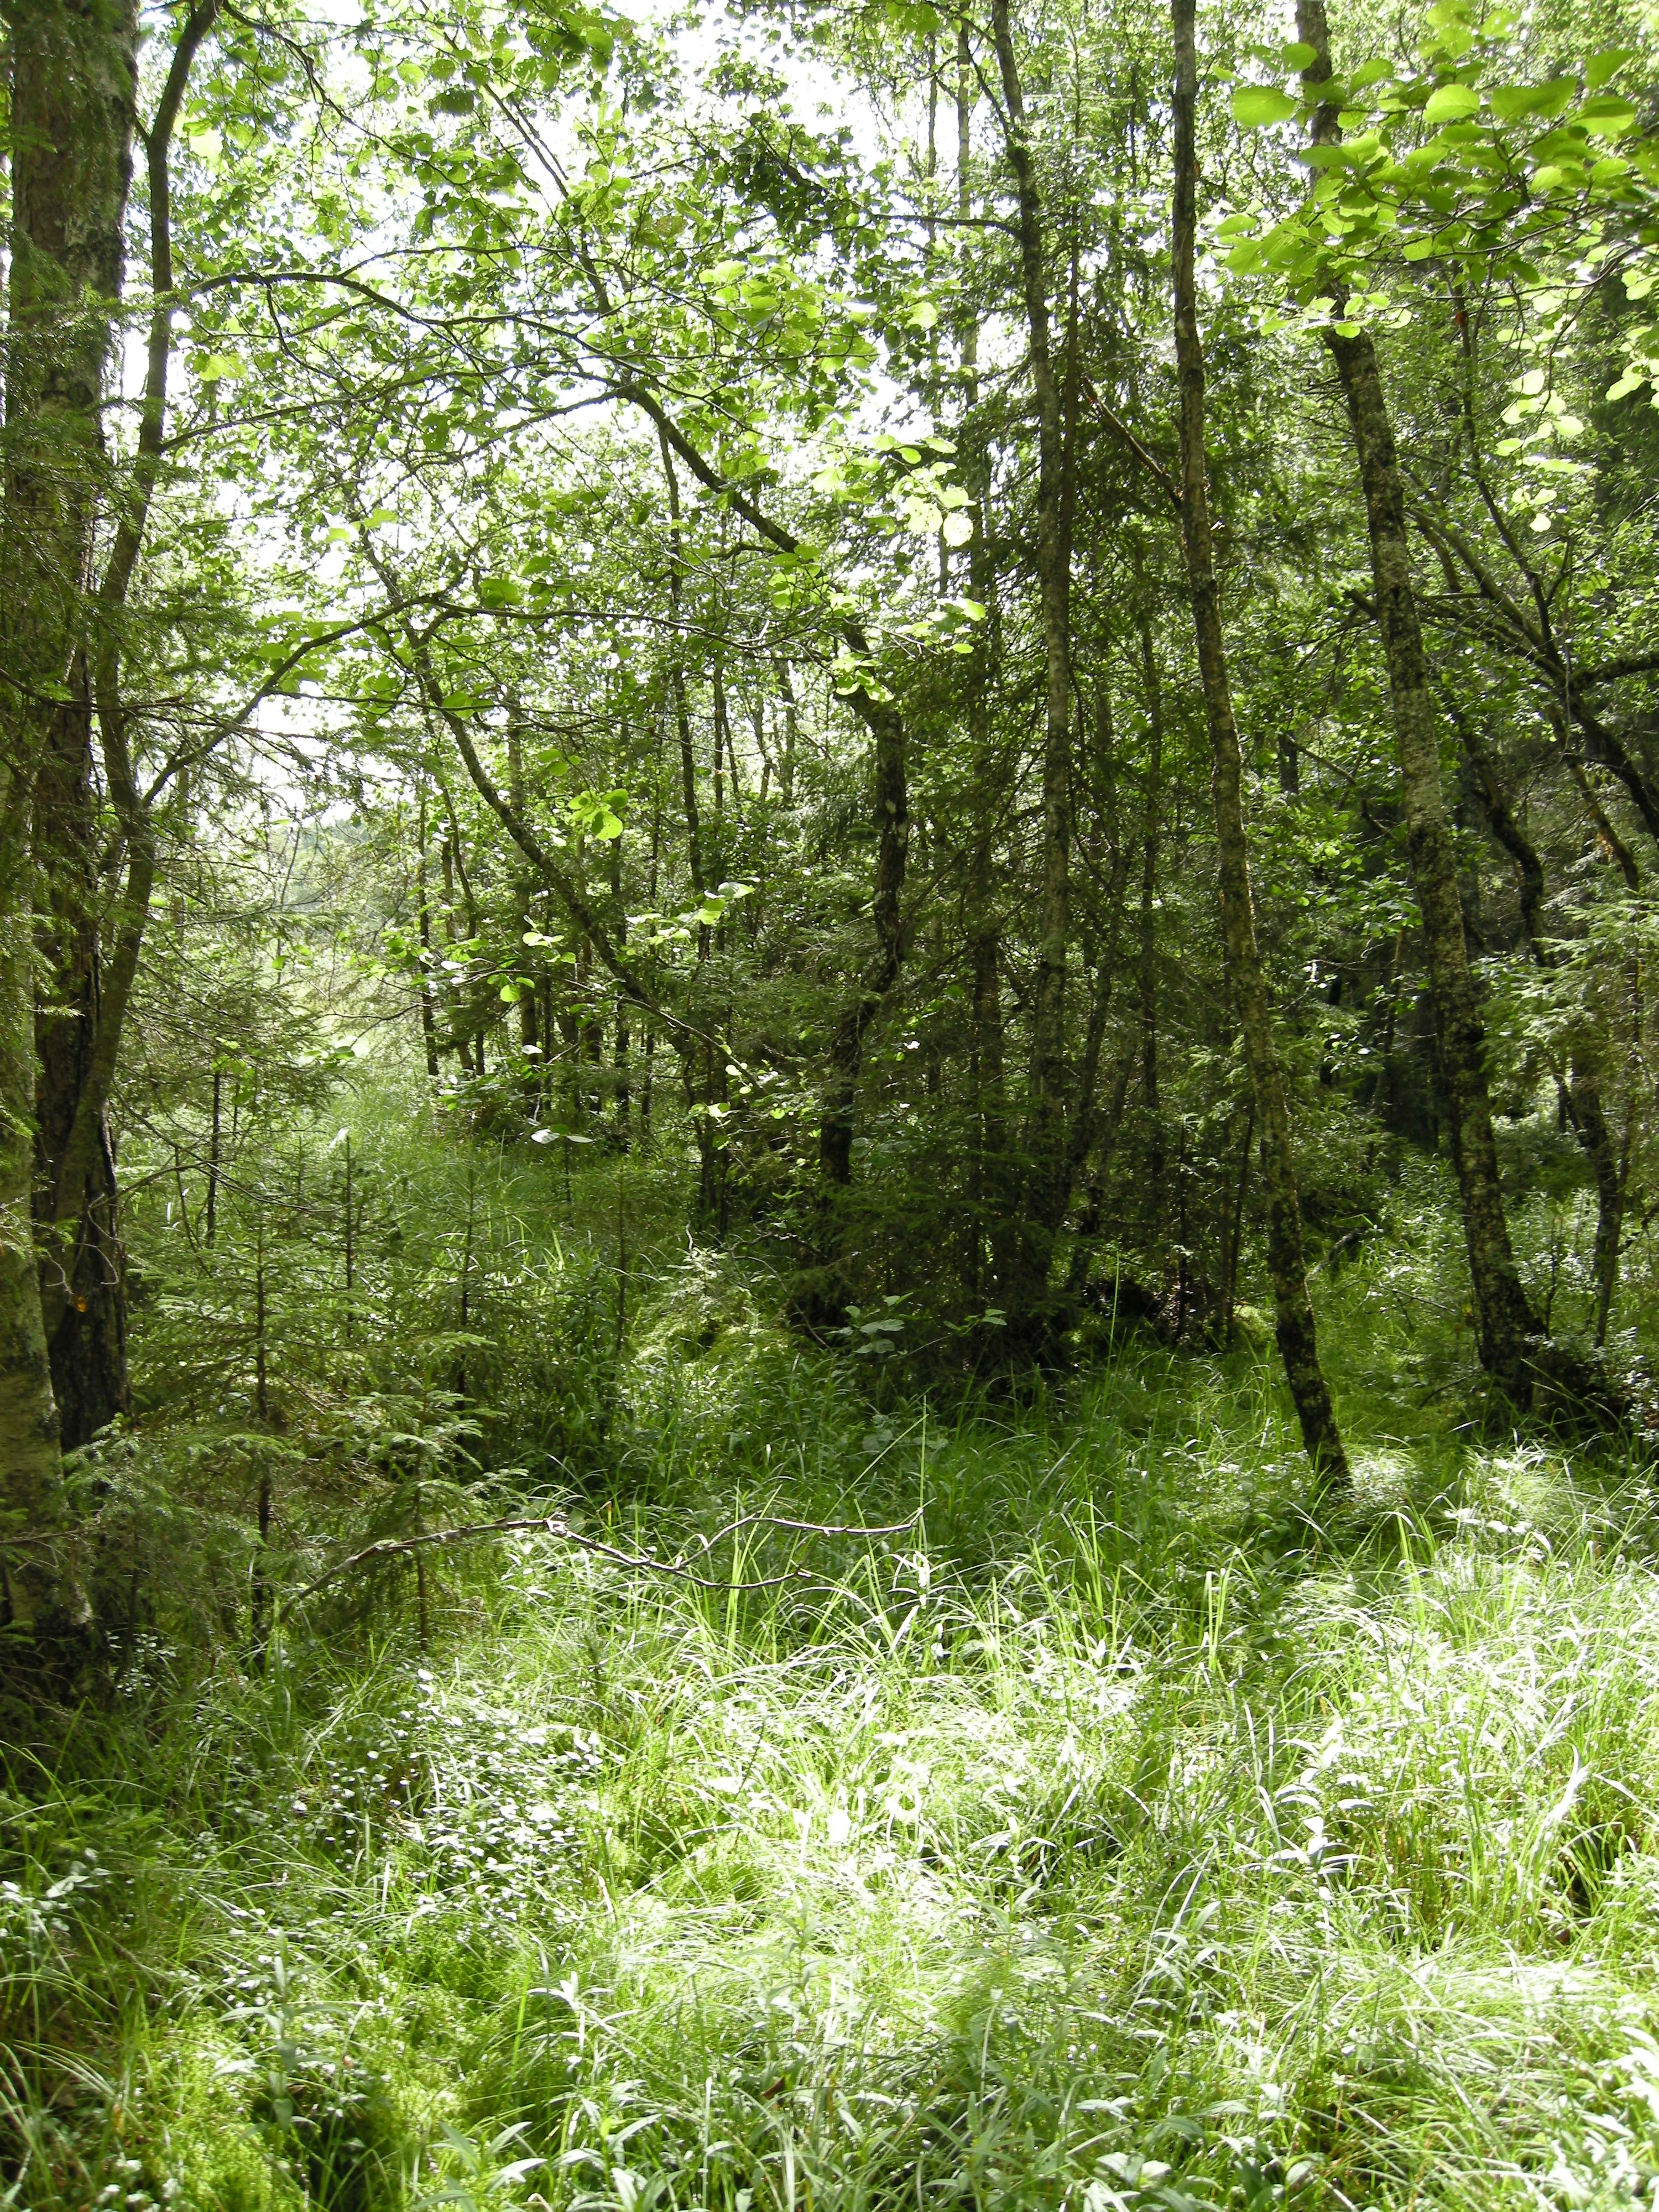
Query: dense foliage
point(826, 1155)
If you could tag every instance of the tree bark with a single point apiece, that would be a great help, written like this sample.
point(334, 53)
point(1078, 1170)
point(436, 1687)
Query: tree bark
point(39, 1592)
point(1293, 1309)
point(891, 807)
point(1049, 1182)
point(73, 80)
point(1148, 966)
point(1505, 1324)
point(676, 687)
point(82, 1265)
point(423, 923)
point(77, 222)
point(1085, 1117)
point(524, 893)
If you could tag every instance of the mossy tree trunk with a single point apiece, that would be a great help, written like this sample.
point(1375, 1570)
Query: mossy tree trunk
point(73, 83)
point(1293, 1309)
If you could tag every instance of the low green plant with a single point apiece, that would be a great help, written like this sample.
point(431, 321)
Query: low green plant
point(1099, 1836)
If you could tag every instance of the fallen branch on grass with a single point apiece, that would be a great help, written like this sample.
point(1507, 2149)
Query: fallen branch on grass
point(554, 1525)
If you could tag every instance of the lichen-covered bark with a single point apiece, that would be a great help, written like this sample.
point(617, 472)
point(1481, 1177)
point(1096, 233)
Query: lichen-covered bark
point(1292, 1308)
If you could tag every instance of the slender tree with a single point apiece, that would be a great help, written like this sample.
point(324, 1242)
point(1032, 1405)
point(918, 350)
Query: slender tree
point(1506, 1327)
point(1292, 1308)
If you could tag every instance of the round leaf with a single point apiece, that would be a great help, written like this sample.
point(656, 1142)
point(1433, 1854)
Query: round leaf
point(1450, 104)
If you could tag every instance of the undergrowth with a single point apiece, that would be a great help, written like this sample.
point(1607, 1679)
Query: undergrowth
point(1102, 1837)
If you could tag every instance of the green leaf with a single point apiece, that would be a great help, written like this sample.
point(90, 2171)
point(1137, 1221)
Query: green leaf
point(1255, 106)
point(1450, 104)
point(1608, 64)
point(1608, 116)
point(958, 527)
point(1511, 102)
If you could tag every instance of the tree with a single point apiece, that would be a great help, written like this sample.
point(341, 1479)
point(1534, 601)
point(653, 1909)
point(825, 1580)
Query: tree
point(1293, 1308)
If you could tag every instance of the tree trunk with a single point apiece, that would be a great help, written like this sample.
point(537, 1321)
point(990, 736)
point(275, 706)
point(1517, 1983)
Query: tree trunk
point(83, 1287)
point(876, 710)
point(1293, 1309)
point(71, 105)
point(892, 818)
point(1085, 1119)
point(677, 684)
point(41, 1596)
point(1583, 1092)
point(83, 1265)
point(424, 921)
point(623, 1095)
point(1590, 1123)
point(73, 76)
point(790, 731)
point(1148, 973)
point(1504, 1320)
point(1048, 1191)
point(524, 893)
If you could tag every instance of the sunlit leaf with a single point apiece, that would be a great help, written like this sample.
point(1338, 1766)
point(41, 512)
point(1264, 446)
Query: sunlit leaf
point(1451, 103)
point(1255, 106)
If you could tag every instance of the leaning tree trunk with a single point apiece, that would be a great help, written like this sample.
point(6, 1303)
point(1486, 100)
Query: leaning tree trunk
point(1505, 1322)
point(1293, 1309)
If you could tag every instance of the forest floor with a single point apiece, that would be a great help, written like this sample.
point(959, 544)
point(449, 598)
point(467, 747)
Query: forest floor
point(1104, 1840)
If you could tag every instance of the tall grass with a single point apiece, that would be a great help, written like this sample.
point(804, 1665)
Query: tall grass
point(1106, 1839)
point(1099, 1842)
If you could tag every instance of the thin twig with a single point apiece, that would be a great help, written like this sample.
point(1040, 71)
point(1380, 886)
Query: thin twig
point(1120, 429)
point(553, 1525)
